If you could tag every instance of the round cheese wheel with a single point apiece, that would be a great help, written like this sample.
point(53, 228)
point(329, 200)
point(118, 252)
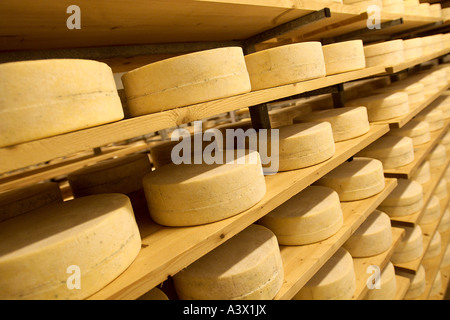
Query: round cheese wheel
point(78, 94)
point(434, 117)
point(410, 247)
point(185, 80)
point(405, 199)
point(310, 216)
point(417, 284)
point(446, 259)
point(434, 249)
point(221, 190)
point(334, 281)
point(388, 285)
point(344, 56)
point(441, 77)
point(418, 131)
point(355, 180)
point(285, 64)
point(412, 43)
point(384, 53)
point(422, 174)
point(247, 266)
point(42, 252)
point(437, 284)
point(18, 201)
point(394, 8)
point(372, 237)
point(154, 294)
point(432, 211)
point(346, 123)
point(446, 141)
point(415, 91)
point(424, 9)
point(392, 151)
point(437, 156)
point(441, 189)
point(444, 225)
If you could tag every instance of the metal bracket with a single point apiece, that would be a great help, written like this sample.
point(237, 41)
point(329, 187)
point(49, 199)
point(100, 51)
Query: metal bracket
point(259, 115)
point(339, 96)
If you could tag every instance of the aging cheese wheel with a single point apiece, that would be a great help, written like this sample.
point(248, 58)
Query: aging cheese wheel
point(373, 236)
point(154, 294)
point(18, 201)
point(94, 237)
point(422, 174)
point(344, 56)
point(392, 151)
point(432, 211)
point(410, 246)
point(44, 98)
point(394, 6)
point(444, 106)
point(412, 48)
point(310, 216)
point(434, 117)
point(221, 190)
point(415, 91)
point(418, 131)
point(386, 53)
point(285, 64)
point(346, 123)
point(446, 259)
point(441, 77)
point(405, 199)
point(186, 79)
point(355, 180)
point(434, 249)
point(437, 156)
point(424, 9)
point(441, 189)
point(388, 285)
point(437, 284)
point(334, 281)
point(444, 225)
point(417, 283)
point(246, 267)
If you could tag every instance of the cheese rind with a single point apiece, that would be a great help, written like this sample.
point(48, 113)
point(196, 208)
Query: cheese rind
point(417, 284)
point(410, 246)
point(437, 156)
point(422, 174)
point(384, 53)
point(434, 117)
point(418, 131)
point(388, 285)
point(431, 212)
point(344, 56)
point(434, 248)
point(405, 199)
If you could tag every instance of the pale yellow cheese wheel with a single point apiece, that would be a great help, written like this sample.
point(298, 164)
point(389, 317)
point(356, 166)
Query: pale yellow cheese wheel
point(18, 201)
point(310, 216)
point(422, 174)
point(344, 56)
point(430, 84)
point(388, 285)
point(424, 9)
point(437, 284)
point(441, 189)
point(387, 59)
point(436, 10)
point(98, 234)
point(384, 53)
point(446, 259)
point(247, 266)
point(154, 294)
point(285, 64)
point(410, 246)
point(434, 248)
point(392, 151)
point(346, 123)
point(357, 179)
point(394, 6)
point(444, 106)
point(418, 131)
point(437, 156)
point(335, 280)
point(417, 284)
point(415, 91)
point(405, 199)
point(44, 98)
point(432, 211)
point(444, 225)
point(221, 190)
point(372, 237)
point(185, 80)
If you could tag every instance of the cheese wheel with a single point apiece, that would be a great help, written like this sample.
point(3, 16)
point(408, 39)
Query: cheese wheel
point(383, 106)
point(418, 131)
point(18, 201)
point(247, 266)
point(344, 56)
point(410, 246)
point(78, 94)
point(355, 180)
point(372, 237)
point(405, 199)
point(310, 216)
point(221, 190)
point(437, 156)
point(444, 225)
point(436, 10)
point(429, 82)
point(441, 189)
point(424, 9)
point(394, 7)
point(96, 235)
point(446, 259)
point(386, 53)
point(285, 64)
point(185, 80)
point(415, 91)
point(335, 280)
point(346, 123)
point(392, 151)
point(432, 211)
point(388, 285)
point(154, 294)
point(417, 283)
point(441, 77)
point(444, 106)
point(434, 249)
point(437, 285)
point(422, 174)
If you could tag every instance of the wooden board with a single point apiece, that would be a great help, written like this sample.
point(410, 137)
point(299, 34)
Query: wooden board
point(411, 63)
point(402, 286)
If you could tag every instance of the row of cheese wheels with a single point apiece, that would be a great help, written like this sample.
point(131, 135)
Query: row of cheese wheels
point(408, 7)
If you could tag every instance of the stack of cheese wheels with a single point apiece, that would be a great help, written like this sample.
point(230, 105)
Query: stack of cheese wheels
point(386, 53)
point(221, 190)
point(417, 283)
point(432, 212)
point(186, 79)
point(394, 6)
point(346, 123)
point(246, 267)
point(357, 179)
point(285, 64)
point(412, 48)
point(436, 287)
point(441, 189)
point(344, 56)
point(388, 285)
point(96, 235)
point(404, 200)
point(444, 225)
point(434, 117)
point(422, 174)
point(22, 200)
point(418, 131)
point(383, 106)
point(437, 156)
point(72, 94)
point(436, 10)
point(154, 294)
point(434, 248)
point(430, 84)
point(373, 236)
point(335, 280)
point(415, 90)
point(410, 246)
point(310, 216)
point(392, 151)
point(441, 77)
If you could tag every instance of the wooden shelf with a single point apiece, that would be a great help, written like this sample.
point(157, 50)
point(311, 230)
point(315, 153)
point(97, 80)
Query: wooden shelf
point(402, 286)
point(302, 262)
point(166, 250)
point(414, 62)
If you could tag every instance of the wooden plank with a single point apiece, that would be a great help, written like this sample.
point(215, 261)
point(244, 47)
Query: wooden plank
point(302, 262)
point(25, 154)
point(414, 62)
point(409, 22)
point(165, 251)
point(402, 286)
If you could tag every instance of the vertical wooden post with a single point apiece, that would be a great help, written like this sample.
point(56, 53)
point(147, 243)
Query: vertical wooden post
point(259, 115)
point(339, 96)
